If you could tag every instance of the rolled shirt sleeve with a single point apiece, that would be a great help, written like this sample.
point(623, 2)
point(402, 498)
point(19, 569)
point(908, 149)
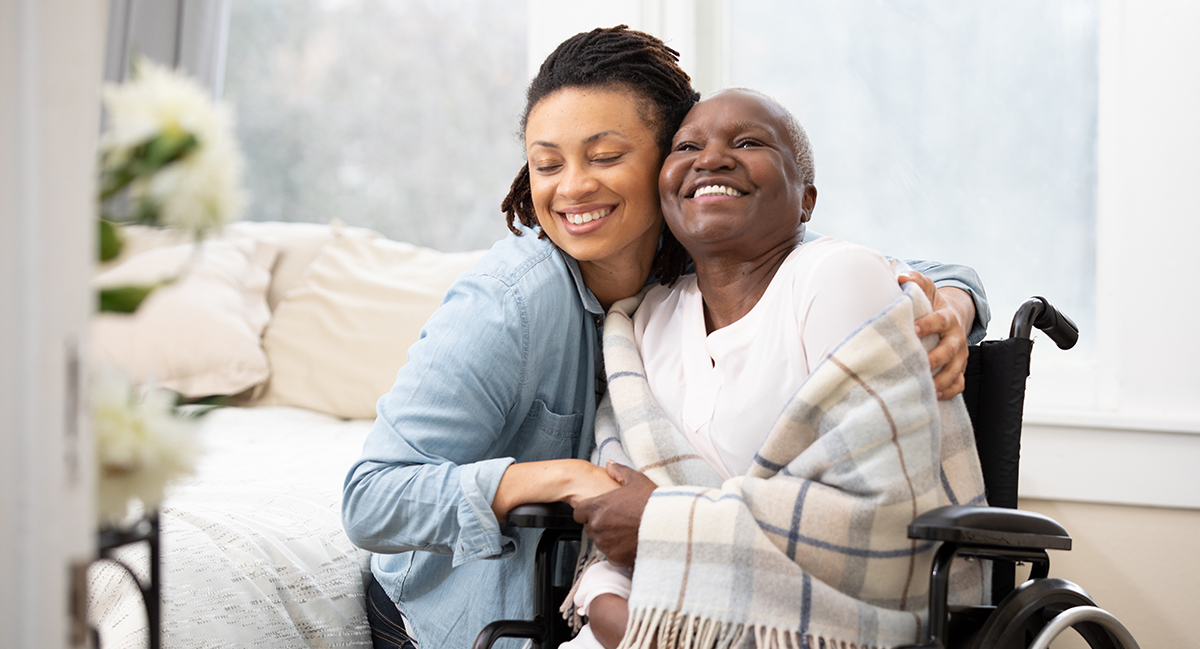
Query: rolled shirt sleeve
point(960, 277)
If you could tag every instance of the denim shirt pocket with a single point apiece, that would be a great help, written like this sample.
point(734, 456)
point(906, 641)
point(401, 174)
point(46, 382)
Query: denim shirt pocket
point(546, 435)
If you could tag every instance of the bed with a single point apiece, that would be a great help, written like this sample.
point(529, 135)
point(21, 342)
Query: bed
point(253, 552)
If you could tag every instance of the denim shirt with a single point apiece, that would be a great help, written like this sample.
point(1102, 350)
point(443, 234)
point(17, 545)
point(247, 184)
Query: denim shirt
point(507, 370)
point(504, 371)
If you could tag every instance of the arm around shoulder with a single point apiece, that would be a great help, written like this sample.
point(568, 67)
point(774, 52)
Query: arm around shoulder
point(966, 280)
point(956, 276)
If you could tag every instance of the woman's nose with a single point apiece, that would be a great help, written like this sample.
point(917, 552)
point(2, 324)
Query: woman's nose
point(713, 157)
point(576, 182)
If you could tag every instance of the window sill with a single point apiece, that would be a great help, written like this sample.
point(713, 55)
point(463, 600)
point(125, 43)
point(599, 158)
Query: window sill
point(1106, 421)
point(1118, 459)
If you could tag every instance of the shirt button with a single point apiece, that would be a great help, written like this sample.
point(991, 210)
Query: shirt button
point(598, 319)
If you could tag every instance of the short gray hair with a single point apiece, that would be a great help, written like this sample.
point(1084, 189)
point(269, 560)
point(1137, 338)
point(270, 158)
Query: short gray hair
point(797, 136)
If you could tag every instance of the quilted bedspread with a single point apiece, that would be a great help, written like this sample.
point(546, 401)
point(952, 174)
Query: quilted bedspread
point(253, 549)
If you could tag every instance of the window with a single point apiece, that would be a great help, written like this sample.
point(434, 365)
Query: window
point(962, 132)
point(398, 116)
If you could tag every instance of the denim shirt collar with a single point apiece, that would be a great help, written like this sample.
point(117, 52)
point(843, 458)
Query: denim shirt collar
point(590, 303)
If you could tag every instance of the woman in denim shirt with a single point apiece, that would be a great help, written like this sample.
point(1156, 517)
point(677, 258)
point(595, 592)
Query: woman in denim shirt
point(496, 403)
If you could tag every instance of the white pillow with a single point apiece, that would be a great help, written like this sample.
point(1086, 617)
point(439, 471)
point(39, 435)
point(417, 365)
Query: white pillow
point(338, 337)
point(137, 239)
point(200, 335)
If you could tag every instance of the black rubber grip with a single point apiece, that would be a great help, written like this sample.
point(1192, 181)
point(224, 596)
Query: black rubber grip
point(1038, 312)
point(1057, 326)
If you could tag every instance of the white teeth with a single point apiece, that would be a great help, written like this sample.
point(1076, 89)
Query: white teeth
point(588, 217)
point(716, 190)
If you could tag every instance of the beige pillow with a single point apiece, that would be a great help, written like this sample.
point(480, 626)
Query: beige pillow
point(298, 245)
point(338, 337)
point(200, 335)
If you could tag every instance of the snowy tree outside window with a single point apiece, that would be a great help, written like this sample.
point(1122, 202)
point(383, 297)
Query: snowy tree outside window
point(398, 116)
point(958, 131)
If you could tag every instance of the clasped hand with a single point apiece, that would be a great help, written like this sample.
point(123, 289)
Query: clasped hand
point(611, 520)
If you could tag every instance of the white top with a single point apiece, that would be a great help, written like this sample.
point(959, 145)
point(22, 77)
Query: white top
point(725, 390)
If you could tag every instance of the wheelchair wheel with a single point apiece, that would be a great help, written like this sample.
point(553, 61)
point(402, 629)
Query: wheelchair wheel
point(1021, 615)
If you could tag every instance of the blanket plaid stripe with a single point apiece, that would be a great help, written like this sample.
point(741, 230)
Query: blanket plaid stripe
point(810, 547)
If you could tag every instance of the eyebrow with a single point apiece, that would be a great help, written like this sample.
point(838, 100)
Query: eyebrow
point(746, 125)
point(589, 140)
point(741, 125)
point(601, 134)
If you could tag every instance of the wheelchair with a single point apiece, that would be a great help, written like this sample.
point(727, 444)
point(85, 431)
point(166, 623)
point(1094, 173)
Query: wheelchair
point(1029, 615)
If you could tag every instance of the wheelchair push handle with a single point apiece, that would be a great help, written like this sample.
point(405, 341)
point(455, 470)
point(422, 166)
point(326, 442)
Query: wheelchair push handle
point(1038, 312)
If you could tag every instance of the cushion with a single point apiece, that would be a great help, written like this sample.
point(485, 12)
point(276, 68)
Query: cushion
point(298, 245)
point(200, 335)
point(138, 239)
point(338, 337)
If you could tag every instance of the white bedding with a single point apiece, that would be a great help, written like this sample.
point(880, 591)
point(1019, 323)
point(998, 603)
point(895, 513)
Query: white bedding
point(253, 549)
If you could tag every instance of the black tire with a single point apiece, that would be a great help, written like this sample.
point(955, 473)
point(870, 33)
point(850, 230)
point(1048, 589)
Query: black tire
point(1025, 611)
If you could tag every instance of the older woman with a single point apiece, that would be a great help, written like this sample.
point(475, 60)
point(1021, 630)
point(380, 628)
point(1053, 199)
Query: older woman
point(767, 525)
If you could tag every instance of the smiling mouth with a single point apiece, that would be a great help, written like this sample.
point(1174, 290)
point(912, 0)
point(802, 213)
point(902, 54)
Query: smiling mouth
point(586, 217)
point(716, 190)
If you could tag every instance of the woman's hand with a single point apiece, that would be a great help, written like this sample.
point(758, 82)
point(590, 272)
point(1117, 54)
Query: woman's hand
point(953, 314)
point(585, 481)
point(571, 481)
point(611, 520)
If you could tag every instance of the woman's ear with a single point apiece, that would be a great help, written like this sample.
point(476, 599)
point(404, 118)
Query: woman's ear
point(808, 203)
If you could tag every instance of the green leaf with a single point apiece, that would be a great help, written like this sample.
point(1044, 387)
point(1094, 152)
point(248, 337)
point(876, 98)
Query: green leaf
point(111, 241)
point(199, 408)
point(215, 401)
point(145, 160)
point(124, 299)
point(112, 181)
point(165, 149)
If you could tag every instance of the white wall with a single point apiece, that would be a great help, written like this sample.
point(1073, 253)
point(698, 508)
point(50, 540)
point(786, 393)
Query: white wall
point(50, 54)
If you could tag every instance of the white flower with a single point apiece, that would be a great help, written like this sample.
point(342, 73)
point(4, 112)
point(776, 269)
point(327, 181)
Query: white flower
point(141, 445)
point(200, 191)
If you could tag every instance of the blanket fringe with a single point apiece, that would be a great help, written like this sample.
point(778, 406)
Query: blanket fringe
point(589, 555)
point(672, 630)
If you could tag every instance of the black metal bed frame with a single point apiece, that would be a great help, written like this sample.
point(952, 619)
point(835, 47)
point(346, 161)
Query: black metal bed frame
point(144, 530)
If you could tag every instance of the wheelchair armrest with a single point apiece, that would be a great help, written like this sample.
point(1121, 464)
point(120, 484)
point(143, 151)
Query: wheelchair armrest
point(509, 629)
point(551, 516)
point(990, 527)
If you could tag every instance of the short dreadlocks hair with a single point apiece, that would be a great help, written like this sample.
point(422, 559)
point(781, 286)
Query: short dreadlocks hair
point(619, 58)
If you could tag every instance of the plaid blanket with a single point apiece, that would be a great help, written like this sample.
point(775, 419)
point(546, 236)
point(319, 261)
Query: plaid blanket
point(810, 547)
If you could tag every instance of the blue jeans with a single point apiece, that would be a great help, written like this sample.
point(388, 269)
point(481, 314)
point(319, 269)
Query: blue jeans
point(387, 627)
